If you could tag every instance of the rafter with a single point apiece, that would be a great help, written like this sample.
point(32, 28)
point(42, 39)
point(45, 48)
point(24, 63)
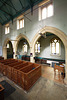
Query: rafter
point(13, 6)
point(8, 5)
point(2, 3)
point(5, 12)
point(5, 16)
point(30, 2)
point(1, 18)
point(21, 4)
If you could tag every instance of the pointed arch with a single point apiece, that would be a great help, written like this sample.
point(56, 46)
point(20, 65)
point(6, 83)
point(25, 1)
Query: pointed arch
point(18, 38)
point(58, 33)
point(5, 48)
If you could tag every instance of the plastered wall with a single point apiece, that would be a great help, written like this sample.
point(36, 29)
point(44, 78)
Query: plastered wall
point(58, 20)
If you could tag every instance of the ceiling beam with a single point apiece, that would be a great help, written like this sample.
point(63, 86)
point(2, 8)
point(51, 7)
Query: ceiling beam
point(5, 12)
point(5, 16)
point(31, 4)
point(21, 4)
point(1, 18)
point(13, 6)
point(8, 5)
point(2, 3)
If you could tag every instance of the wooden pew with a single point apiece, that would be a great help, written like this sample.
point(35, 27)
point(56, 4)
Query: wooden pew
point(29, 75)
point(23, 73)
point(15, 71)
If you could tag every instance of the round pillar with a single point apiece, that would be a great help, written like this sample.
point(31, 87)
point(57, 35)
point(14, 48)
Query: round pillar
point(32, 54)
point(65, 65)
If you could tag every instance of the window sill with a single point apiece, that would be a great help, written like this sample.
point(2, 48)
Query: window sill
point(56, 55)
point(20, 28)
point(6, 33)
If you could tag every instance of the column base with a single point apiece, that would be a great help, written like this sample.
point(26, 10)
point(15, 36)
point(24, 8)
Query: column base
point(32, 60)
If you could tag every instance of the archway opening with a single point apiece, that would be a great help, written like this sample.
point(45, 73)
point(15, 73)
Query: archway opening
point(23, 49)
point(9, 50)
point(46, 56)
point(49, 50)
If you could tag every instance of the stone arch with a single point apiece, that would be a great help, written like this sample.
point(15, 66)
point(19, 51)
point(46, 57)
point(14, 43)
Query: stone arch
point(53, 30)
point(5, 48)
point(18, 38)
point(58, 33)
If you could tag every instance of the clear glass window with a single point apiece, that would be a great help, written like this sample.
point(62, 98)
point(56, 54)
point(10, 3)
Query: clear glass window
point(46, 11)
point(25, 48)
point(55, 46)
point(6, 29)
point(20, 23)
point(50, 10)
point(37, 47)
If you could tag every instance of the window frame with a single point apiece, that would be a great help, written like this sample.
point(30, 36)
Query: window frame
point(45, 6)
point(55, 54)
point(19, 19)
point(25, 51)
point(37, 51)
point(7, 29)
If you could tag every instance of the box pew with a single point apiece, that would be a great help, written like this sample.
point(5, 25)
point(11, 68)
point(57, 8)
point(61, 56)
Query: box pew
point(3, 67)
point(1, 58)
point(9, 69)
point(15, 71)
point(29, 75)
point(5, 60)
point(20, 76)
point(23, 73)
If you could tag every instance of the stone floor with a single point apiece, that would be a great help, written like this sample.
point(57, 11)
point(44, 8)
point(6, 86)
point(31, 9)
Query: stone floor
point(43, 89)
point(46, 88)
point(48, 72)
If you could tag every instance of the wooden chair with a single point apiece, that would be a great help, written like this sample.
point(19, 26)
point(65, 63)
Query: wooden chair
point(59, 68)
point(59, 72)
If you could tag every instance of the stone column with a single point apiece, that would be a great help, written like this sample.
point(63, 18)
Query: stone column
point(32, 54)
point(65, 65)
point(5, 52)
point(14, 51)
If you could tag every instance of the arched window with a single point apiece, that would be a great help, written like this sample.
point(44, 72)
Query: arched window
point(37, 47)
point(55, 46)
point(25, 48)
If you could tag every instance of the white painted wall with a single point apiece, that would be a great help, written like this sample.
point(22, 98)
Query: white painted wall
point(46, 48)
point(58, 20)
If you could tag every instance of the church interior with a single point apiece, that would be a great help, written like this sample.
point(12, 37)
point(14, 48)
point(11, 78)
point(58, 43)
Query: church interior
point(33, 50)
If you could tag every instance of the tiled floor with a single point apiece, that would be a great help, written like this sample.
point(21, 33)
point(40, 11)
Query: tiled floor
point(48, 72)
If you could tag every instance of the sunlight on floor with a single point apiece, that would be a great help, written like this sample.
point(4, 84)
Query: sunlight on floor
point(48, 72)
